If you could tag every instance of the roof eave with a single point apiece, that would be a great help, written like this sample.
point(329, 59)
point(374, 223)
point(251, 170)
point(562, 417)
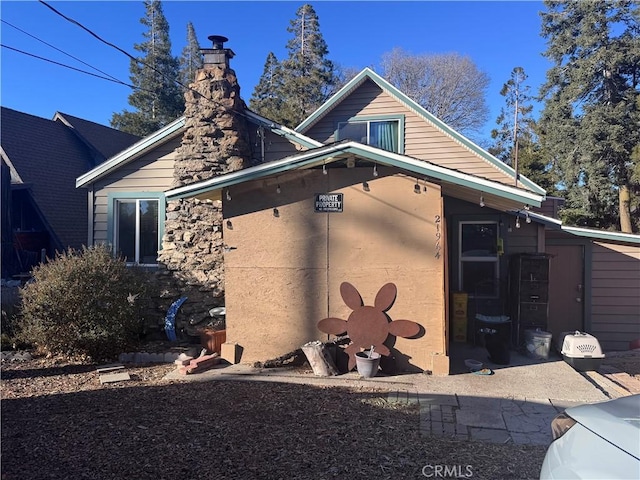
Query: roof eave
point(325, 154)
point(134, 151)
point(421, 111)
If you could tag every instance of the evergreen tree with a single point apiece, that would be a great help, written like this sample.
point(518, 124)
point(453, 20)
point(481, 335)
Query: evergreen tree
point(590, 124)
point(267, 96)
point(305, 79)
point(515, 140)
point(158, 99)
point(192, 59)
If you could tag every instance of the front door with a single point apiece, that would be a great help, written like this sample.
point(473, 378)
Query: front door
point(566, 289)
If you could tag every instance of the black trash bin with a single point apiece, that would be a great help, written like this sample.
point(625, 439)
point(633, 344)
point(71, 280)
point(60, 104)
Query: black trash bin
point(497, 346)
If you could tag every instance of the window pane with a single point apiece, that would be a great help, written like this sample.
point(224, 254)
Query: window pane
point(479, 278)
point(148, 231)
point(479, 240)
point(353, 131)
point(126, 230)
point(384, 135)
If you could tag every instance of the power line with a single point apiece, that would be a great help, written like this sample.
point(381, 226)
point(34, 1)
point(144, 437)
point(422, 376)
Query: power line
point(62, 51)
point(69, 66)
point(95, 35)
point(137, 60)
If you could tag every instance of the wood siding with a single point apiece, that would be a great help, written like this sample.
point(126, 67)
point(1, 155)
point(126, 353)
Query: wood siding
point(615, 294)
point(152, 172)
point(421, 139)
point(275, 146)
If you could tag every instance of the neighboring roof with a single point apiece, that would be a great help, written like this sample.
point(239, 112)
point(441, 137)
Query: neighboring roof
point(329, 153)
point(171, 131)
point(592, 233)
point(603, 234)
point(47, 157)
point(106, 141)
point(368, 74)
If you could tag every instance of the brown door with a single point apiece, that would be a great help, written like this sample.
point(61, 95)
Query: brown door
point(566, 289)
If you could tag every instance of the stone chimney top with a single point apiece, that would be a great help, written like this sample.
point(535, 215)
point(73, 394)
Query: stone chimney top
point(218, 55)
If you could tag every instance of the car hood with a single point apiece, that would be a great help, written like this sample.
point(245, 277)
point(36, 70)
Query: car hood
point(617, 421)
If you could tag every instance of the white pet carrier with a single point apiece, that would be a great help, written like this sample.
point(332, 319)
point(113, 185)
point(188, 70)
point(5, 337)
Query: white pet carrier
point(582, 351)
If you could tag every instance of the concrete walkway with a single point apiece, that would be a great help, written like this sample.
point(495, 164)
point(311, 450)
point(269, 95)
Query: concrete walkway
point(514, 405)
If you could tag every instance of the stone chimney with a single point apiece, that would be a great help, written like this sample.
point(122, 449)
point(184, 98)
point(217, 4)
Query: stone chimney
point(214, 143)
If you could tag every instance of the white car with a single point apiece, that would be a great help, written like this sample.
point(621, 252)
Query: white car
point(596, 441)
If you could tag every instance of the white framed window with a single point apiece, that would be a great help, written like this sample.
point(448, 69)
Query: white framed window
point(135, 224)
point(381, 132)
point(478, 269)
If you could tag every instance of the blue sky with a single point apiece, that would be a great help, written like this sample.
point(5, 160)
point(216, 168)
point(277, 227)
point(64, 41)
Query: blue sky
point(497, 36)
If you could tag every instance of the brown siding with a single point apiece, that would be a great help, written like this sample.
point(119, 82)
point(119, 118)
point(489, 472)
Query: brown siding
point(283, 273)
point(615, 295)
point(421, 140)
point(152, 172)
point(275, 146)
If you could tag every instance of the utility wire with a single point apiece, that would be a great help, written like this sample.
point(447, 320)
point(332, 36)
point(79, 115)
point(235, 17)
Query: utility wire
point(137, 60)
point(93, 34)
point(62, 51)
point(115, 80)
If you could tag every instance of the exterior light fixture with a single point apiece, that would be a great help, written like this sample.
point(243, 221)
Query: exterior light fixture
point(481, 201)
point(278, 189)
point(229, 225)
point(324, 169)
point(276, 212)
point(528, 218)
point(416, 187)
point(228, 194)
point(518, 221)
point(375, 170)
point(365, 186)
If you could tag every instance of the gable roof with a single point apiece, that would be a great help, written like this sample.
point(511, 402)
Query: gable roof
point(106, 141)
point(368, 74)
point(171, 131)
point(46, 157)
point(340, 151)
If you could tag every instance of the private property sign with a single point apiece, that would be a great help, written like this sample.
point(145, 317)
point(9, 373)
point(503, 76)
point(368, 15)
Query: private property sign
point(329, 202)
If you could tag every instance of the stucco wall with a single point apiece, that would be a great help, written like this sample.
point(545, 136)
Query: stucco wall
point(283, 273)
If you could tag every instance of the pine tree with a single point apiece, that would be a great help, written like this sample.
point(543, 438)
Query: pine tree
point(306, 77)
point(267, 96)
point(191, 60)
point(515, 140)
point(157, 99)
point(591, 119)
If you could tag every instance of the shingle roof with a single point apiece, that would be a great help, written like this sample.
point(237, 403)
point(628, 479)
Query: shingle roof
point(106, 140)
point(48, 156)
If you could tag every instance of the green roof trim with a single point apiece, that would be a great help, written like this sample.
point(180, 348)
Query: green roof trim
point(156, 138)
point(170, 131)
point(283, 131)
point(603, 234)
point(326, 154)
point(369, 74)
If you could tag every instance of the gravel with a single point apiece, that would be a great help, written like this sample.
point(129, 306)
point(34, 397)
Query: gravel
point(59, 422)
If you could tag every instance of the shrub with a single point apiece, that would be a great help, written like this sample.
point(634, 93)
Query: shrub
point(84, 302)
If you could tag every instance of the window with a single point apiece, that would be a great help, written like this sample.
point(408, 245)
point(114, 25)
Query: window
point(478, 269)
point(136, 228)
point(379, 132)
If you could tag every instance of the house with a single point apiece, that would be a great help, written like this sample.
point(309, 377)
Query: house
point(371, 189)
point(41, 209)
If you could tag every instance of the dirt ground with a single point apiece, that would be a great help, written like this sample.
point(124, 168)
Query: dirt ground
point(59, 422)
